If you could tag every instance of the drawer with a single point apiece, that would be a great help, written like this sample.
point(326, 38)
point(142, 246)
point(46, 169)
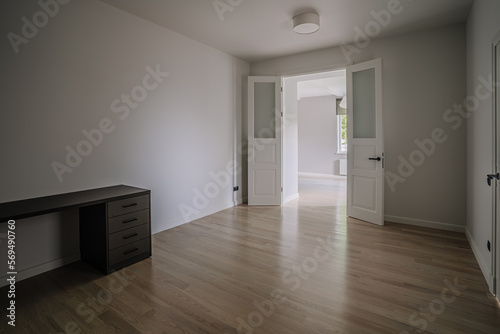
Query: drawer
point(129, 251)
point(128, 205)
point(127, 236)
point(130, 220)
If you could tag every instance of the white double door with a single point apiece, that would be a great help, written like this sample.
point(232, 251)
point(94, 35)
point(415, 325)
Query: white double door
point(365, 158)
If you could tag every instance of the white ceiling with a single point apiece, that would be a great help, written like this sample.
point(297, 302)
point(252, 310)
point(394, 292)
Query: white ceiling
point(255, 30)
point(322, 84)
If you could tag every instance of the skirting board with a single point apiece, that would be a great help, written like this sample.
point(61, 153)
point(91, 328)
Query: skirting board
point(322, 176)
point(291, 197)
point(482, 264)
point(425, 223)
point(42, 268)
point(180, 220)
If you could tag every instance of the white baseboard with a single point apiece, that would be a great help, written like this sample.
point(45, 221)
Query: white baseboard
point(180, 220)
point(42, 268)
point(482, 264)
point(425, 223)
point(322, 176)
point(291, 197)
point(240, 201)
point(449, 227)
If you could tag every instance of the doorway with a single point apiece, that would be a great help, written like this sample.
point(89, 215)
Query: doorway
point(273, 147)
point(311, 122)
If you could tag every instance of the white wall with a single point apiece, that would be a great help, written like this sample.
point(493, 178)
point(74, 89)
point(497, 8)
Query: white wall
point(482, 26)
point(64, 81)
point(424, 76)
point(318, 135)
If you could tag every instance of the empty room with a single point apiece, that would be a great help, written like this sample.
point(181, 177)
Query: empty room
point(250, 166)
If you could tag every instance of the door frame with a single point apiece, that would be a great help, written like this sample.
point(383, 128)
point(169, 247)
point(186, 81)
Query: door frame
point(288, 75)
point(495, 235)
point(284, 75)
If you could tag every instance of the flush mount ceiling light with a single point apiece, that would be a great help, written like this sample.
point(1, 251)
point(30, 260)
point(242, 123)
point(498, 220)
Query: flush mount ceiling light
point(306, 23)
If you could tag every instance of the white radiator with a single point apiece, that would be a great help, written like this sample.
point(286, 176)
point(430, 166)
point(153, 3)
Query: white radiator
point(342, 166)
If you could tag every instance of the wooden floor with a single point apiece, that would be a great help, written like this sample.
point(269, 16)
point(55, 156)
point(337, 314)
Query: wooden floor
point(300, 268)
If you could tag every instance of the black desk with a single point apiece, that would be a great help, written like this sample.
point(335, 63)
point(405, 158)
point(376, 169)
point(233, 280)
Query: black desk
point(115, 228)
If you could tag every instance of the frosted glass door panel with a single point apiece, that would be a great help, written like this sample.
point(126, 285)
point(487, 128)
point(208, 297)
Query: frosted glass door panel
point(363, 106)
point(264, 104)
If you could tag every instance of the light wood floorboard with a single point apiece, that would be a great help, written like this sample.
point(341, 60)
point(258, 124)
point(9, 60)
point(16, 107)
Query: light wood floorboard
point(301, 268)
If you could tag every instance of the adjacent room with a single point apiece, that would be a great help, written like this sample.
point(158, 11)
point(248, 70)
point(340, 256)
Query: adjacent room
point(316, 150)
point(322, 130)
point(250, 166)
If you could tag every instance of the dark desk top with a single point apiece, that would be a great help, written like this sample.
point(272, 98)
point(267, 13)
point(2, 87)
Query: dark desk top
point(54, 203)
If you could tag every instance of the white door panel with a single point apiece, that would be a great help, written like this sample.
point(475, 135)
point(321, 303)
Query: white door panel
point(359, 154)
point(365, 152)
point(364, 192)
point(267, 155)
point(265, 187)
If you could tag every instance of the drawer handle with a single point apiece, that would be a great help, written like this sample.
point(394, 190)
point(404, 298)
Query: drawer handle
point(130, 235)
point(129, 205)
point(130, 251)
point(129, 221)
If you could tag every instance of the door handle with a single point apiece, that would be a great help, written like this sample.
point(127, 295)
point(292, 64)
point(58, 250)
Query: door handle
point(376, 159)
point(490, 177)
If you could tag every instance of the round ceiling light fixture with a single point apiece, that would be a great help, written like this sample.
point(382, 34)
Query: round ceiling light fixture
point(306, 23)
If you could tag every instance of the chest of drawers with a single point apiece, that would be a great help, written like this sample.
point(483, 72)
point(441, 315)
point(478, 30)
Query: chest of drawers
point(117, 233)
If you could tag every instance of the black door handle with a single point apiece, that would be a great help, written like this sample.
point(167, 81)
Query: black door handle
point(376, 159)
point(490, 177)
